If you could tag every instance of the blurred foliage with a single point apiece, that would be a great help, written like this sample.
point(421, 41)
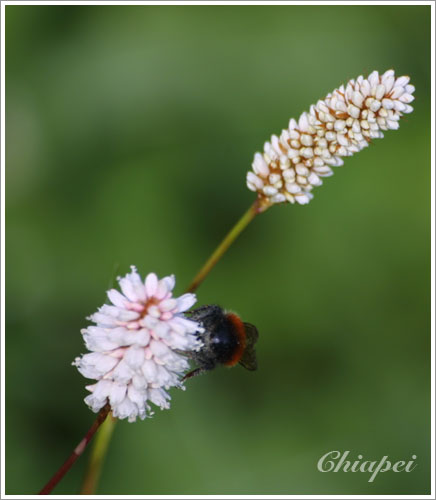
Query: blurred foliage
point(129, 133)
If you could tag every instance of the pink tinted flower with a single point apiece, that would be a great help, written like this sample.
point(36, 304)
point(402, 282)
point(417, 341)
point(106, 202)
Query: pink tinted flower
point(134, 345)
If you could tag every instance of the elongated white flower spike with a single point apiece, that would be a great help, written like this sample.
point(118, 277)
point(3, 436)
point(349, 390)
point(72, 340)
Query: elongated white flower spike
point(133, 346)
point(340, 125)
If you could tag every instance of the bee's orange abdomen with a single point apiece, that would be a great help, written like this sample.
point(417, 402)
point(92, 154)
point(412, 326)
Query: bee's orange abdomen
point(239, 330)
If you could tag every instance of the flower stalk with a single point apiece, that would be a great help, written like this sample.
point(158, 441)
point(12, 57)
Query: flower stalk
point(98, 454)
point(257, 207)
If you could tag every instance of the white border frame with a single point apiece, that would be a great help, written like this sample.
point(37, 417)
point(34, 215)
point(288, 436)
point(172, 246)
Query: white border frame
point(215, 2)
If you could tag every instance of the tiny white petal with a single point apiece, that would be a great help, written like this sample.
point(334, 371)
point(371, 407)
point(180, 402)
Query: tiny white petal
point(393, 125)
point(402, 81)
point(159, 349)
point(292, 188)
point(134, 357)
point(314, 179)
point(342, 151)
point(354, 111)
point(278, 198)
point(293, 153)
point(151, 282)
point(96, 339)
point(284, 162)
point(289, 174)
point(118, 313)
point(153, 311)
point(162, 329)
point(251, 186)
point(373, 78)
point(159, 397)
point(399, 106)
point(137, 397)
point(95, 365)
point(149, 369)
point(330, 136)
point(302, 198)
point(142, 337)
point(324, 171)
point(122, 373)
point(388, 83)
point(387, 74)
point(95, 404)
point(375, 106)
point(276, 145)
point(339, 125)
point(307, 152)
point(303, 122)
point(126, 409)
point(132, 287)
point(269, 151)
point(397, 92)
point(269, 190)
point(365, 88)
point(101, 390)
point(168, 304)
point(306, 140)
point(170, 281)
point(406, 98)
point(292, 124)
point(341, 106)
point(301, 169)
point(103, 320)
point(186, 301)
point(387, 103)
point(139, 382)
point(255, 180)
point(260, 166)
point(342, 140)
point(117, 298)
point(162, 290)
point(274, 178)
point(117, 394)
point(358, 99)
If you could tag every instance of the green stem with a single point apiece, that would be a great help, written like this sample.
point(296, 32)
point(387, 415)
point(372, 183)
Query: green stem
point(98, 453)
point(224, 245)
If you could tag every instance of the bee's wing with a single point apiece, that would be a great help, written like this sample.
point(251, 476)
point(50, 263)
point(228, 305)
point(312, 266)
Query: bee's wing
point(248, 359)
point(251, 333)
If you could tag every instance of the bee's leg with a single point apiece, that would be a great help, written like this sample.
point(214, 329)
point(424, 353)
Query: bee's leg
point(186, 354)
point(194, 373)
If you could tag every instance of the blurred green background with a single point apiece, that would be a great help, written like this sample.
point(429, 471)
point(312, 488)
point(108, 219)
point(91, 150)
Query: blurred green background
point(129, 133)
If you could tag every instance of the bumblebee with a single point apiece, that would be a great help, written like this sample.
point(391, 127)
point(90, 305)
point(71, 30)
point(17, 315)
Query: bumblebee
point(227, 340)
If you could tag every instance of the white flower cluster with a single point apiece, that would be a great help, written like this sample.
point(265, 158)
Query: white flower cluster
point(340, 125)
point(133, 346)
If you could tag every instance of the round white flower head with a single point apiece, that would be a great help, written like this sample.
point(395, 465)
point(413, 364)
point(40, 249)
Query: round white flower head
point(134, 346)
point(342, 124)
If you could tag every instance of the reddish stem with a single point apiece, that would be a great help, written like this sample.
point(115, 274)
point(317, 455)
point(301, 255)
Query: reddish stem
point(78, 450)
